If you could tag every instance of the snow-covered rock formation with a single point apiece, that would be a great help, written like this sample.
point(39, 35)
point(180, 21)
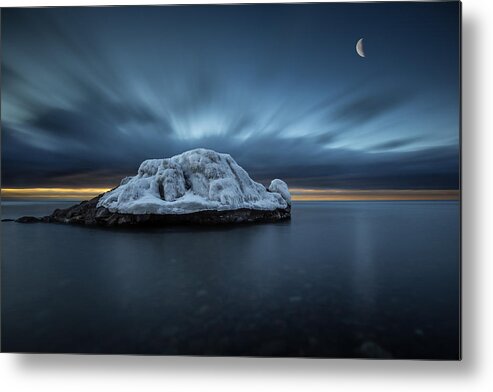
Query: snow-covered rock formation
point(198, 187)
point(197, 180)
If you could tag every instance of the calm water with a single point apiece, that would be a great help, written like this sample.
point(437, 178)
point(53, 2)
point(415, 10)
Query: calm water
point(342, 279)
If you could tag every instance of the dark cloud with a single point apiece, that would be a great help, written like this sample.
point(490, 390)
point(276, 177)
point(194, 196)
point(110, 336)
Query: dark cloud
point(360, 109)
point(396, 143)
point(88, 93)
point(263, 158)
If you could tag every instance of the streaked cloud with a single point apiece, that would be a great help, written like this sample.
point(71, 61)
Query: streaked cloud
point(88, 93)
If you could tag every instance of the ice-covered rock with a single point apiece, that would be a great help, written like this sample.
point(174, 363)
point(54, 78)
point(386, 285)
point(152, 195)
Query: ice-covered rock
point(198, 187)
point(280, 187)
point(197, 180)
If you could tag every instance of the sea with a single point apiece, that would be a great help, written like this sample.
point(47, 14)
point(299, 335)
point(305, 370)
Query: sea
point(341, 279)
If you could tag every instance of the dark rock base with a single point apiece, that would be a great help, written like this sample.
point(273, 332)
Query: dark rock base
point(86, 213)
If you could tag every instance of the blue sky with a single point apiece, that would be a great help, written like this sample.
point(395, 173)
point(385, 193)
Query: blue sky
point(88, 93)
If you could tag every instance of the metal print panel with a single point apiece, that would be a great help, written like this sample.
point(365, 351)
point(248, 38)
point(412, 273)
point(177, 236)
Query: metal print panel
point(232, 180)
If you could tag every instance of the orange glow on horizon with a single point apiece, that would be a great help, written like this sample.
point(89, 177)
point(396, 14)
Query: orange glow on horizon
point(53, 193)
point(298, 194)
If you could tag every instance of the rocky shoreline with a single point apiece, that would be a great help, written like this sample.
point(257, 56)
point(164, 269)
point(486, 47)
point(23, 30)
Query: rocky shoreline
point(89, 214)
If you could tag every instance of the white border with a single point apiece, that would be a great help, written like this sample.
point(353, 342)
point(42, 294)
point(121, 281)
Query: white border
point(474, 373)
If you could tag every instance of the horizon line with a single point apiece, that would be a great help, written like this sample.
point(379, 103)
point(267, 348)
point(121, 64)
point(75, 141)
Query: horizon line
point(297, 194)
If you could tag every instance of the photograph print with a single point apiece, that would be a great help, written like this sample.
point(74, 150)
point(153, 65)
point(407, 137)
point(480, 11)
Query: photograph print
point(263, 180)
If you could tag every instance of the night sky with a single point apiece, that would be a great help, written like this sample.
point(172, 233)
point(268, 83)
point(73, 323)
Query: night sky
point(88, 93)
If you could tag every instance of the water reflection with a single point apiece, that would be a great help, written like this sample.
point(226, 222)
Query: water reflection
point(341, 279)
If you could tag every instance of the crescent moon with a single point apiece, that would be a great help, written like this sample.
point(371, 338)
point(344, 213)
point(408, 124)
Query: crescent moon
point(360, 49)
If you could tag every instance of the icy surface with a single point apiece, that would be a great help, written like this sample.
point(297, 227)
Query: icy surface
point(280, 187)
point(196, 180)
